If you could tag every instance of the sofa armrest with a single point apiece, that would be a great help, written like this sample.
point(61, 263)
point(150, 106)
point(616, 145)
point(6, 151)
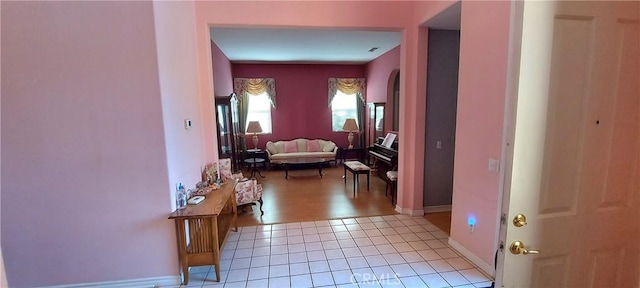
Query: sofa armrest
point(268, 154)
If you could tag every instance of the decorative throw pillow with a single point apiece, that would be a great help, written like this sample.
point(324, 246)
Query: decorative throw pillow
point(313, 146)
point(291, 146)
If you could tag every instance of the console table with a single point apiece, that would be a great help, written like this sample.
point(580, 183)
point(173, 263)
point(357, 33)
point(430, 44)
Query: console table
point(346, 154)
point(203, 229)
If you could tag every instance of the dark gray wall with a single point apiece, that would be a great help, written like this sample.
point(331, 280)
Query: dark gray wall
point(442, 92)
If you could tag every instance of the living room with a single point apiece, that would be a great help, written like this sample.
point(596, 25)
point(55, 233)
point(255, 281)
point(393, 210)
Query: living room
point(302, 88)
point(302, 102)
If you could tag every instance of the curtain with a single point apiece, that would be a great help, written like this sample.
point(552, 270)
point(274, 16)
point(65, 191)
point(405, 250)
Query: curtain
point(252, 86)
point(361, 120)
point(255, 86)
point(244, 113)
point(347, 86)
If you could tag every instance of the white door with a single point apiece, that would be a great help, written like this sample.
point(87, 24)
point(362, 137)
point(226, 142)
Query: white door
point(573, 169)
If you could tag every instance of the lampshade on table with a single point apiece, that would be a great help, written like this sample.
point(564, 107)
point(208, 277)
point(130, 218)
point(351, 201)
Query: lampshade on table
point(350, 125)
point(254, 127)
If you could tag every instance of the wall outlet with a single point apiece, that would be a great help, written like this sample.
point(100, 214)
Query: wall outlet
point(438, 144)
point(471, 221)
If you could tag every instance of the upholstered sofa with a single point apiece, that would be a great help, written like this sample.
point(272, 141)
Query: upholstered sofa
point(280, 151)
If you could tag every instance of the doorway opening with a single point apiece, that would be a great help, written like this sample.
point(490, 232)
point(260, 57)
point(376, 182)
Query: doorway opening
point(441, 109)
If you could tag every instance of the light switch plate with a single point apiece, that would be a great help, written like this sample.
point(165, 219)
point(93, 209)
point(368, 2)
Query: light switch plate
point(494, 165)
point(188, 124)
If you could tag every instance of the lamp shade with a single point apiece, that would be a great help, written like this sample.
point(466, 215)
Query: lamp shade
point(350, 125)
point(254, 127)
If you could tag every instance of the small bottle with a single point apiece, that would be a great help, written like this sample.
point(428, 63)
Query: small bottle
point(181, 197)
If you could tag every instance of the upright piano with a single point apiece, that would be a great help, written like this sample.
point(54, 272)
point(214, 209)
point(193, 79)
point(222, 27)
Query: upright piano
point(384, 158)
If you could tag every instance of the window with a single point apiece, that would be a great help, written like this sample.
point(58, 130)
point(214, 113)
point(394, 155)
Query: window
point(343, 106)
point(260, 110)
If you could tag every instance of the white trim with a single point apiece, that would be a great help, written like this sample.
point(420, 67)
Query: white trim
point(437, 208)
point(410, 212)
point(486, 268)
point(508, 137)
point(131, 283)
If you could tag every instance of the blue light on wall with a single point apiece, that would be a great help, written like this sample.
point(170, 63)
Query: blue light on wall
point(471, 220)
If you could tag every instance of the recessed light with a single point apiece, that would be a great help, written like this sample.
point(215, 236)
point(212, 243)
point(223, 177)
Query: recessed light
point(373, 49)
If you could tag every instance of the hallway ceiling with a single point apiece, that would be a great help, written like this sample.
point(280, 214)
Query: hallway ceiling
point(303, 45)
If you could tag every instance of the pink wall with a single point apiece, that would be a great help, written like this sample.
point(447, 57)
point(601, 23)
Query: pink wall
point(177, 65)
point(222, 84)
point(483, 47)
point(378, 87)
point(302, 101)
point(222, 77)
point(84, 169)
point(378, 72)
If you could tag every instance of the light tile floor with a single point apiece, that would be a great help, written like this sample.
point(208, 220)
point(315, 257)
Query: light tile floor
point(382, 251)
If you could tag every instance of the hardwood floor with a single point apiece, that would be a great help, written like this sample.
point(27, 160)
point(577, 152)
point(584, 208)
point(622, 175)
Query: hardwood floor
point(441, 220)
point(307, 197)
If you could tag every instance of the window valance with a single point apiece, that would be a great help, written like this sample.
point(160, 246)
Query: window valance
point(347, 86)
point(255, 86)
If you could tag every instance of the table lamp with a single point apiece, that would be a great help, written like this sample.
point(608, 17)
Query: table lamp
point(350, 125)
point(254, 127)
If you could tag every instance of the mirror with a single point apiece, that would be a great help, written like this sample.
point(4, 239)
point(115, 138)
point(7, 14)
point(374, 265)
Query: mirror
point(375, 126)
point(379, 120)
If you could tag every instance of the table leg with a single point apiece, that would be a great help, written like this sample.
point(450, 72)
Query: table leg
point(345, 174)
point(216, 246)
point(355, 180)
point(254, 169)
point(286, 171)
point(368, 175)
point(182, 251)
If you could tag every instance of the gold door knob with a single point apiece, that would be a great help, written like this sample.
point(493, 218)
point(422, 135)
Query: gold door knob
point(517, 247)
point(519, 220)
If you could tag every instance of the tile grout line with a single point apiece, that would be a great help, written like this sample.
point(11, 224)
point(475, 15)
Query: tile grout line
point(341, 246)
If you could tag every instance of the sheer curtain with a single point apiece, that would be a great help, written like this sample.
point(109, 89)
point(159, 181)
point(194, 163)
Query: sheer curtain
point(253, 86)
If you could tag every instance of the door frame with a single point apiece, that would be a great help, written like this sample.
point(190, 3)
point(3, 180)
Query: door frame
point(510, 115)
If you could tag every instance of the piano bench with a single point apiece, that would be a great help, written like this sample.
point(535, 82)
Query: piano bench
point(392, 180)
point(356, 168)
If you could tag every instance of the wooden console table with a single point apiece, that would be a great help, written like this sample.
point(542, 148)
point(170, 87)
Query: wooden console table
point(203, 229)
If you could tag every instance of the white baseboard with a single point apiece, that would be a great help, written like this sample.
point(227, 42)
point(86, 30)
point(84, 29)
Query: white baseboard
point(486, 268)
point(437, 208)
point(410, 212)
point(131, 283)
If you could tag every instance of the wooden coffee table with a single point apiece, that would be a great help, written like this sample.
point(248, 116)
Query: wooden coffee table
point(304, 162)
